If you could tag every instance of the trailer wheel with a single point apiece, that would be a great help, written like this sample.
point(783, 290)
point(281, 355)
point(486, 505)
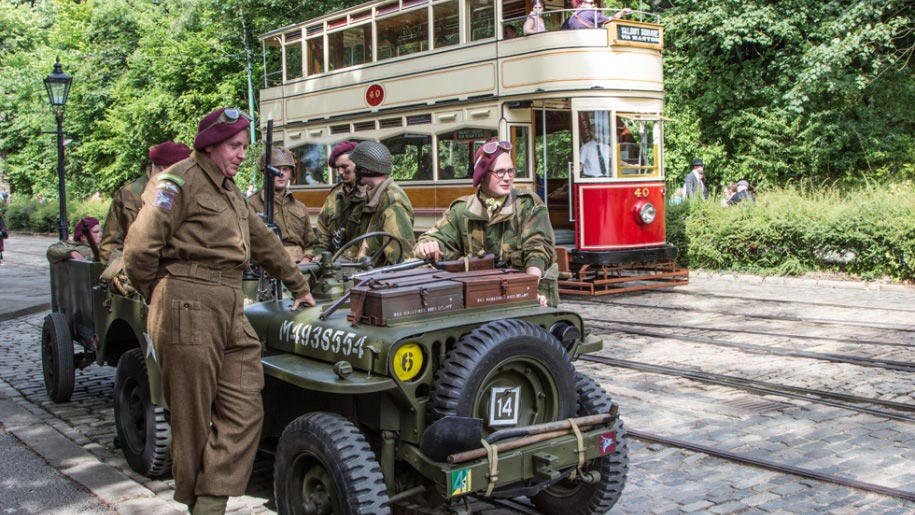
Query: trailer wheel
point(507, 373)
point(144, 434)
point(57, 357)
point(578, 498)
point(324, 465)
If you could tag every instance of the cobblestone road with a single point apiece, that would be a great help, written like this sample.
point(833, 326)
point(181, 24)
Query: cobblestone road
point(662, 479)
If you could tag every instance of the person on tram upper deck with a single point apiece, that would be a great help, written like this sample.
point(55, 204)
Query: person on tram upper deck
point(534, 22)
point(79, 248)
point(585, 16)
point(514, 225)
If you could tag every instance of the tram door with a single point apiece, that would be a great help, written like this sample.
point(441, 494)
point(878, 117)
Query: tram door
point(553, 154)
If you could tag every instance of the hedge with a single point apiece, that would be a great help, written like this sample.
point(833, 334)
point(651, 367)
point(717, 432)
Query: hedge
point(868, 232)
point(44, 217)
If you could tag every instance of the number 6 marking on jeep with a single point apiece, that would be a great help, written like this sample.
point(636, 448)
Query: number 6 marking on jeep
point(503, 406)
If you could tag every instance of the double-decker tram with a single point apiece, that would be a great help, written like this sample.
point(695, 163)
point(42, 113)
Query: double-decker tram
point(434, 79)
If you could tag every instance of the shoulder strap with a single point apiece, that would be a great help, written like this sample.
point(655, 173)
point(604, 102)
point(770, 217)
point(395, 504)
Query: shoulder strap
point(171, 177)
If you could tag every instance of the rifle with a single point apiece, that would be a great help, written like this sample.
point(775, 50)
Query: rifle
point(270, 174)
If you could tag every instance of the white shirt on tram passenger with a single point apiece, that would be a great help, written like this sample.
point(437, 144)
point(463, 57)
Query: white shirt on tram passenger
point(592, 155)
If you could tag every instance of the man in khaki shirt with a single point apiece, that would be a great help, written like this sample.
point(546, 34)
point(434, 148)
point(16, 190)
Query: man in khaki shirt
point(289, 214)
point(127, 201)
point(185, 254)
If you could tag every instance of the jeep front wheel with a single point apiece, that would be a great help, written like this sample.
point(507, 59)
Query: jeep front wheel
point(143, 432)
point(509, 373)
point(572, 497)
point(324, 465)
point(57, 357)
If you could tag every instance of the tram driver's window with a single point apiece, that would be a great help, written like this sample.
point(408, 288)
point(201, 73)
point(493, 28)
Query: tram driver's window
point(594, 155)
point(312, 167)
point(412, 157)
point(482, 19)
point(456, 150)
point(636, 145)
point(403, 34)
point(520, 135)
point(446, 29)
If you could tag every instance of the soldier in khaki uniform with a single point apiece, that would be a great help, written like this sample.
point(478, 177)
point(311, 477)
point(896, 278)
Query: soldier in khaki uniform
point(185, 254)
point(79, 248)
point(289, 214)
point(127, 201)
point(513, 225)
point(387, 207)
point(342, 210)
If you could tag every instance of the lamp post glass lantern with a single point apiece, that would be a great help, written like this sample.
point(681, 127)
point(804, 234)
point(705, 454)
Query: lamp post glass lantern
point(58, 86)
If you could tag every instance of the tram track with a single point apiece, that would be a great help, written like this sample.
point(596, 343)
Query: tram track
point(885, 364)
point(889, 326)
point(857, 307)
point(713, 329)
point(833, 399)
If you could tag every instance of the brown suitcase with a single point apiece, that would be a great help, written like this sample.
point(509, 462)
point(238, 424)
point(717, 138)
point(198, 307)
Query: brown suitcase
point(382, 305)
point(490, 289)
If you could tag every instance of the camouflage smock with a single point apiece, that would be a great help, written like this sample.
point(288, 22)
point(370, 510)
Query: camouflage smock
point(340, 215)
point(291, 216)
point(519, 235)
point(125, 206)
point(61, 250)
point(387, 208)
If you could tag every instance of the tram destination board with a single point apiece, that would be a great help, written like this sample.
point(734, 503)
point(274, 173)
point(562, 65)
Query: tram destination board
point(636, 34)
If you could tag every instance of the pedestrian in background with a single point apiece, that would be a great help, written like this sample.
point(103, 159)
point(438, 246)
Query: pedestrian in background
point(186, 253)
point(743, 194)
point(694, 185)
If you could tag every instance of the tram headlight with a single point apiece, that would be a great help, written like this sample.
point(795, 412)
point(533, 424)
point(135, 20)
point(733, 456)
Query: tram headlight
point(645, 213)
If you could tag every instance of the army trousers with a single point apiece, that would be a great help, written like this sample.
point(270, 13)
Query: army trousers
point(212, 380)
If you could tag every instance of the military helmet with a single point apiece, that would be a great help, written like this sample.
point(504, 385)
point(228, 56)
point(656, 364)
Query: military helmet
point(372, 156)
point(279, 156)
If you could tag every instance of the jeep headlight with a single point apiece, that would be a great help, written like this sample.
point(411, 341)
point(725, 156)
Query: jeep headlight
point(408, 361)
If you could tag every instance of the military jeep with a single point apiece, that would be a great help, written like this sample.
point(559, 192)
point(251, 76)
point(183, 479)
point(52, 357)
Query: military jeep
point(406, 389)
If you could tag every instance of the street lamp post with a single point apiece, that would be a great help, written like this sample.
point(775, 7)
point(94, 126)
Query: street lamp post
point(58, 86)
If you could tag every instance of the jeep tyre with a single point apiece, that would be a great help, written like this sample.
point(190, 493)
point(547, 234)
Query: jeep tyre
point(325, 465)
point(506, 354)
point(57, 357)
point(578, 498)
point(143, 431)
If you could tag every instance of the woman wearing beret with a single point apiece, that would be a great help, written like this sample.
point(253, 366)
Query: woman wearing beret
point(78, 248)
point(498, 219)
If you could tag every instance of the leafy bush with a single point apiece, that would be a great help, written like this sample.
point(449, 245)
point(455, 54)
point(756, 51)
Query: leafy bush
point(868, 232)
point(44, 217)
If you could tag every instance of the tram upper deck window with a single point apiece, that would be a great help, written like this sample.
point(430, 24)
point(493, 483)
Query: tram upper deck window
point(315, 47)
point(312, 167)
point(637, 147)
point(446, 28)
point(349, 47)
point(294, 55)
point(403, 34)
point(456, 150)
point(273, 62)
point(412, 156)
point(482, 19)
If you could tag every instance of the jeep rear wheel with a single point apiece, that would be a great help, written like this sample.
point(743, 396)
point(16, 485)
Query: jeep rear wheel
point(324, 465)
point(507, 373)
point(57, 357)
point(144, 434)
point(571, 497)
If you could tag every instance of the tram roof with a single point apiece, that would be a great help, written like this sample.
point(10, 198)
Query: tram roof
point(402, 4)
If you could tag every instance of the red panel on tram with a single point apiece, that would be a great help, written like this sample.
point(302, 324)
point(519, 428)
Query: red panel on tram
point(608, 215)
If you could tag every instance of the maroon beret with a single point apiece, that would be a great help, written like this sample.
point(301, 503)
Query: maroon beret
point(209, 132)
point(344, 147)
point(482, 161)
point(168, 153)
point(90, 222)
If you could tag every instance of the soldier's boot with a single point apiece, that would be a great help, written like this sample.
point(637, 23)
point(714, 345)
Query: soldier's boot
point(210, 505)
